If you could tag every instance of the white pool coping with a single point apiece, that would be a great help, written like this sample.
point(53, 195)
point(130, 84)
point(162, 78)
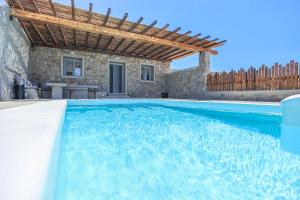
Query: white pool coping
point(27, 138)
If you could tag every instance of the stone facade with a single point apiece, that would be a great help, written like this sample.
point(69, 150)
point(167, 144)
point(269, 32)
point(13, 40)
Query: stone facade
point(191, 82)
point(46, 67)
point(14, 53)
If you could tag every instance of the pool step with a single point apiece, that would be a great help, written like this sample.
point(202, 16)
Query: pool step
point(118, 95)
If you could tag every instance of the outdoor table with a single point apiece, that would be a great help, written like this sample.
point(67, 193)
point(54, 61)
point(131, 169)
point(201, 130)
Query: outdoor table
point(57, 89)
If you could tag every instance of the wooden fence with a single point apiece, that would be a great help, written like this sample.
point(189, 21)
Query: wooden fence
point(277, 77)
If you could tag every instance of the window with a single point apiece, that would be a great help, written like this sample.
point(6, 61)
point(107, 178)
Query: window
point(72, 67)
point(147, 73)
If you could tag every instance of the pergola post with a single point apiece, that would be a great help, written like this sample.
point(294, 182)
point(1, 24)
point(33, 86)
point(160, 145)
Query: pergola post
point(204, 69)
point(204, 61)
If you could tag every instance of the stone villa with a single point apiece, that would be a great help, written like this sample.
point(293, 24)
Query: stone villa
point(82, 54)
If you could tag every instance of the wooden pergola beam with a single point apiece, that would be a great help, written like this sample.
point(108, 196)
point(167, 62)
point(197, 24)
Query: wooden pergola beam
point(38, 32)
point(46, 25)
point(109, 42)
point(149, 27)
point(98, 41)
point(61, 29)
point(168, 51)
point(26, 31)
point(161, 29)
point(216, 44)
point(173, 52)
point(73, 18)
point(160, 52)
point(36, 8)
point(51, 33)
point(136, 48)
point(119, 27)
point(142, 32)
point(118, 45)
point(122, 21)
point(178, 56)
point(183, 35)
point(170, 33)
point(133, 26)
point(82, 26)
point(209, 42)
point(106, 16)
point(154, 53)
point(127, 47)
point(201, 40)
point(154, 34)
point(192, 38)
point(165, 36)
point(88, 21)
point(104, 24)
point(18, 2)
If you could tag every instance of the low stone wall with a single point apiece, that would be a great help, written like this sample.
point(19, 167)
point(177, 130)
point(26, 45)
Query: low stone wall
point(191, 82)
point(14, 53)
point(186, 83)
point(255, 95)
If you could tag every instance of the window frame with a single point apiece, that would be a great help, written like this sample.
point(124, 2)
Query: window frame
point(75, 57)
point(140, 75)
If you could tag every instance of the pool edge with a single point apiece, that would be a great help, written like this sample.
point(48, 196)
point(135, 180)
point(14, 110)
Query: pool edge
point(27, 138)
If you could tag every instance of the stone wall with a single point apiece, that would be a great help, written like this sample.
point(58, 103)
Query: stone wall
point(191, 82)
point(46, 67)
point(255, 95)
point(14, 53)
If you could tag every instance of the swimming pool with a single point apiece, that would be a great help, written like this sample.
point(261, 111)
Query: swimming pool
point(154, 149)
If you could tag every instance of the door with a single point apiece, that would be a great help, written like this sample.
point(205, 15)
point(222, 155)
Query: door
point(116, 78)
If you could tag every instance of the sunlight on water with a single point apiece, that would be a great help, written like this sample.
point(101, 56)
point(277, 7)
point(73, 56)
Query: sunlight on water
point(152, 151)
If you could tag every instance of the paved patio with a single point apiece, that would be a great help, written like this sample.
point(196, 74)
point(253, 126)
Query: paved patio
point(17, 103)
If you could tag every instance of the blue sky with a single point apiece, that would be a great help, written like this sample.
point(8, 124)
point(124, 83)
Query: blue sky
point(258, 31)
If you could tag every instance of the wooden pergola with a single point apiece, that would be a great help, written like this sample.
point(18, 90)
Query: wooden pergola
point(51, 24)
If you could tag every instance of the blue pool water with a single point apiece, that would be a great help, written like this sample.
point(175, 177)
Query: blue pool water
point(166, 150)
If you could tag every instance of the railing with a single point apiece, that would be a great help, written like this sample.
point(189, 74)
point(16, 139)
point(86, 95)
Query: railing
point(277, 77)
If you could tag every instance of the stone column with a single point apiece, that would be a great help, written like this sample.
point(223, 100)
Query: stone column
point(204, 69)
point(204, 62)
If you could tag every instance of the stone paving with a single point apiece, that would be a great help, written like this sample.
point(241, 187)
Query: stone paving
point(17, 103)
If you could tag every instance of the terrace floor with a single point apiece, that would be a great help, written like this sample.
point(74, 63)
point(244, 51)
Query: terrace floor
point(17, 103)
